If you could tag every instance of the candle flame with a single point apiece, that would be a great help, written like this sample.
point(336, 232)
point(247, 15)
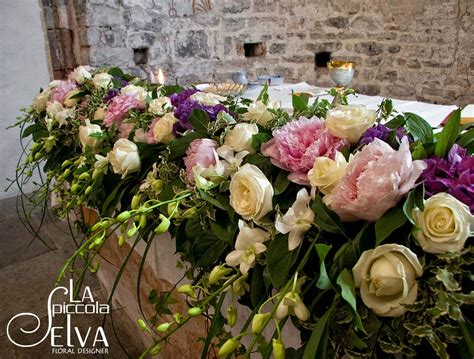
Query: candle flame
point(161, 77)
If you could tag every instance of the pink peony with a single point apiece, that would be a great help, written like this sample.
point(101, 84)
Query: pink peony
point(61, 91)
point(376, 179)
point(119, 107)
point(296, 146)
point(201, 152)
point(125, 129)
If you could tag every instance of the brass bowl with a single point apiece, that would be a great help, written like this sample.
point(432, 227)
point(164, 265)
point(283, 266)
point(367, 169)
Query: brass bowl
point(341, 72)
point(225, 88)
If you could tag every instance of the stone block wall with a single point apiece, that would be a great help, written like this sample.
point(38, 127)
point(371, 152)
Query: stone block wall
point(407, 49)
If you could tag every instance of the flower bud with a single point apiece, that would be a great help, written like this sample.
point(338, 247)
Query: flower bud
point(37, 156)
point(132, 231)
point(88, 190)
point(66, 172)
point(163, 226)
point(231, 316)
point(96, 173)
point(278, 349)
point(259, 321)
point(66, 163)
point(124, 216)
point(75, 188)
point(84, 176)
point(188, 290)
point(178, 317)
point(143, 221)
point(217, 273)
point(190, 213)
point(173, 208)
point(36, 147)
point(78, 162)
point(164, 327)
point(142, 324)
point(155, 350)
point(96, 226)
point(228, 347)
point(121, 241)
point(195, 311)
point(135, 201)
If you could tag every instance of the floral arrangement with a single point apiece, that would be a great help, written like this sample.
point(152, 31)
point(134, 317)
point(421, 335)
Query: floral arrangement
point(352, 224)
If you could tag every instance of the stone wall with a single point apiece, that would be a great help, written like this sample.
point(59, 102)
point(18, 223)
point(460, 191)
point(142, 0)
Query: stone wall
point(405, 49)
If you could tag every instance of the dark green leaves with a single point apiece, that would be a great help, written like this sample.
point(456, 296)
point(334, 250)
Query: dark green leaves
point(263, 95)
point(326, 219)
point(300, 103)
point(346, 283)
point(449, 134)
point(394, 218)
point(260, 138)
point(418, 127)
point(280, 260)
point(323, 281)
point(32, 129)
point(315, 340)
point(281, 182)
point(199, 119)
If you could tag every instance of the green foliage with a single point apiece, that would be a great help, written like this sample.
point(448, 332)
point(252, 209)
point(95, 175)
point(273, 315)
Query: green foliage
point(280, 260)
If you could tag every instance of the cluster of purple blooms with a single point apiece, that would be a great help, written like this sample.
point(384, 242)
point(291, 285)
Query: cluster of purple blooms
point(184, 106)
point(453, 175)
point(383, 133)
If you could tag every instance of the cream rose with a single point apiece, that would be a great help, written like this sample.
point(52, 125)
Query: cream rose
point(41, 100)
point(100, 113)
point(85, 132)
point(80, 74)
point(163, 129)
point(258, 112)
point(53, 108)
point(124, 157)
point(159, 106)
point(349, 121)
point(326, 172)
point(240, 137)
point(444, 225)
point(137, 91)
point(251, 193)
point(70, 100)
point(386, 277)
point(102, 80)
point(207, 98)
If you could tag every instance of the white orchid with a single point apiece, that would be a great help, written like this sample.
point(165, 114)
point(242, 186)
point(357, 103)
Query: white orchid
point(248, 246)
point(297, 220)
point(292, 304)
point(233, 160)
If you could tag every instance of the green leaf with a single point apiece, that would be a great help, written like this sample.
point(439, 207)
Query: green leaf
point(323, 282)
point(394, 218)
point(300, 103)
point(326, 219)
point(467, 139)
point(257, 286)
point(396, 122)
point(315, 340)
point(263, 95)
point(207, 249)
point(281, 182)
point(115, 71)
point(346, 283)
point(212, 200)
point(409, 205)
point(418, 127)
point(179, 146)
point(280, 260)
point(419, 151)
point(449, 134)
point(199, 119)
point(258, 139)
point(448, 280)
point(32, 129)
point(78, 95)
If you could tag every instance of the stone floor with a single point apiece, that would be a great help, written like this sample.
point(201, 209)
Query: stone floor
point(28, 269)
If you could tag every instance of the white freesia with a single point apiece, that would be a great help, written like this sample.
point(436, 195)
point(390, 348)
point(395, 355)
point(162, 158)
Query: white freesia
point(85, 132)
point(102, 163)
point(159, 106)
point(232, 160)
point(251, 193)
point(444, 225)
point(293, 305)
point(239, 138)
point(206, 177)
point(163, 129)
point(207, 98)
point(80, 74)
point(258, 112)
point(326, 172)
point(62, 116)
point(41, 100)
point(137, 91)
point(297, 220)
point(248, 245)
point(349, 121)
point(102, 80)
point(386, 277)
point(124, 157)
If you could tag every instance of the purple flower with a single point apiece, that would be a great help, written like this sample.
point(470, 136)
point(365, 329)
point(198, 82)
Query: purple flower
point(383, 133)
point(110, 95)
point(453, 175)
point(184, 106)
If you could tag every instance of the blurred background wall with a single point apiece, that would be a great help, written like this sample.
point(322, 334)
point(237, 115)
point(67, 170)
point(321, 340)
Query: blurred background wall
point(23, 71)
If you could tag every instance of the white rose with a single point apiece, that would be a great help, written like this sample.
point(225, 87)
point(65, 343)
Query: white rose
point(259, 113)
point(251, 193)
point(53, 108)
point(326, 172)
point(41, 100)
point(64, 115)
point(444, 225)
point(137, 91)
point(70, 100)
point(159, 106)
point(85, 133)
point(240, 137)
point(349, 121)
point(80, 74)
point(163, 129)
point(124, 157)
point(102, 80)
point(386, 277)
point(207, 98)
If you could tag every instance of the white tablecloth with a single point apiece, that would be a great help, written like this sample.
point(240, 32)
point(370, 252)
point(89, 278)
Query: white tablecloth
point(433, 114)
